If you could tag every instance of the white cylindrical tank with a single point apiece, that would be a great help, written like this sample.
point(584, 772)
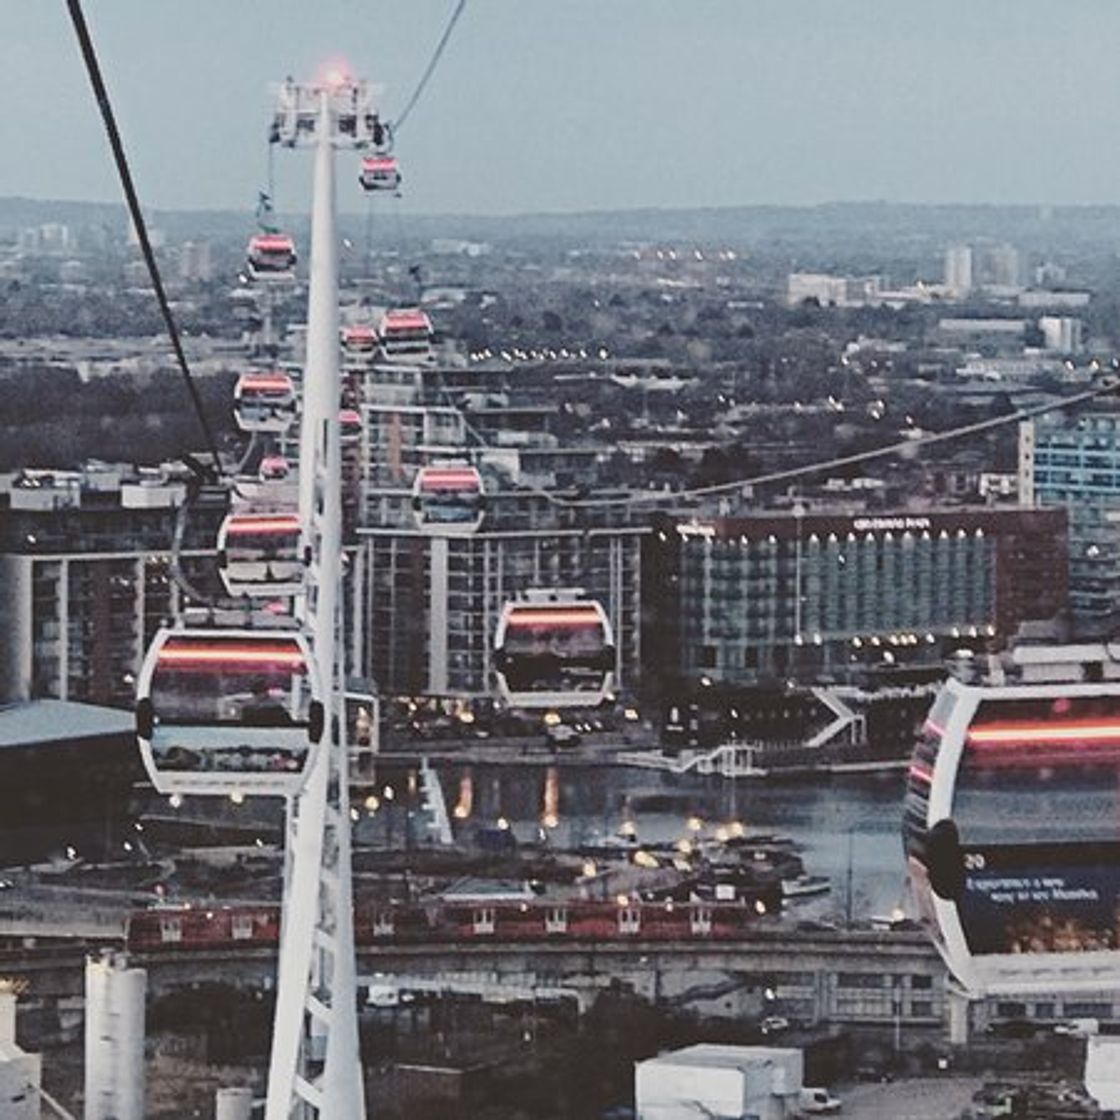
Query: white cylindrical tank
point(233, 1104)
point(7, 1014)
point(20, 1073)
point(114, 1035)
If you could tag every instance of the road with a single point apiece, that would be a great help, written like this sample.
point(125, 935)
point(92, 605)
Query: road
point(917, 1098)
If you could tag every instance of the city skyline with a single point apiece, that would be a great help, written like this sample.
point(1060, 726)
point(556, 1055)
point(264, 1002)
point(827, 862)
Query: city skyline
point(585, 107)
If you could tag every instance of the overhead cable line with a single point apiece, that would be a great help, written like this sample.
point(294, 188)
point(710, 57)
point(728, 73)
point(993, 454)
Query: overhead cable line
point(93, 69)
point(430, 69)
point(909, 446)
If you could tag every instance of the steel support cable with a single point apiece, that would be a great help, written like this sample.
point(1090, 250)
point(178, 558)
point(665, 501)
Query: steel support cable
point(431, 67)
point(93, 69)
point(177, 573)
point(904, 447)
point(1109, 387)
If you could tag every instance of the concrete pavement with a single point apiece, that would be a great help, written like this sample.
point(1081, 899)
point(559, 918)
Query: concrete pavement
point(914, 1098)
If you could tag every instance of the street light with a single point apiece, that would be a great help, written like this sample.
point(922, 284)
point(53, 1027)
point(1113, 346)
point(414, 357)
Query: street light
point(896, 1008)
point(848, 891)
point(798, 516)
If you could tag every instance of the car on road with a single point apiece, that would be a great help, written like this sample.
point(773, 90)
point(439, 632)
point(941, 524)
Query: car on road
point(818, 1102)
point(774, 1024)
point(383, 994)
point(1012, 1028)
point(561, 735)
point(869, 1072)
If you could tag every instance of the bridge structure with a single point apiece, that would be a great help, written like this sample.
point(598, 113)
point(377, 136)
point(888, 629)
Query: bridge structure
point(852, 977)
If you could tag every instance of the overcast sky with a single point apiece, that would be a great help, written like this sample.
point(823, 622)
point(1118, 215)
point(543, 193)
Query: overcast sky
point(565, 105)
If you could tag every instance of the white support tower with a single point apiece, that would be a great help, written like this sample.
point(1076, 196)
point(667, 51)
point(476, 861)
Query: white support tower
point(315, 1068)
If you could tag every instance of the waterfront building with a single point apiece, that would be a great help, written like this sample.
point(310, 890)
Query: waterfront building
point(817, 595)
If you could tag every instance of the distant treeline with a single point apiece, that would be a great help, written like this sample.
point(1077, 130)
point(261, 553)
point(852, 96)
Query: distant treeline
point(50, 418)
point(1029, 226)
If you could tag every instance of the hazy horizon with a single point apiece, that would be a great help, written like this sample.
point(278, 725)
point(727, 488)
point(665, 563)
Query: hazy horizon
point(585, 107)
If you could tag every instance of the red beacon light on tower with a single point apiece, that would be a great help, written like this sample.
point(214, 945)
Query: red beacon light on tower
point(271, 256)
point(380, 173)
point(554, 649)
point(228, 711)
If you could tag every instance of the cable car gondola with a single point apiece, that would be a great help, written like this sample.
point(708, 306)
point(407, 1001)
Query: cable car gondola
point(380, 173)
point(349, 426)
point(228, 711)
point(554, 649)
point(405, 334)
point(274, 468)
point(271, 256)
point(448, 499)
point(243, 303)
point(1012, 823)
point(259, 554)
point(264, 402)
point(359, 338)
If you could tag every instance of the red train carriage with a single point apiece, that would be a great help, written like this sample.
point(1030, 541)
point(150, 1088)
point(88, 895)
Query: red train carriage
point(607, 920)
point(203, 928)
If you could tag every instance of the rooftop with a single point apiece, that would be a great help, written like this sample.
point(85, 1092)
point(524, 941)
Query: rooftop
point(724, 1056)
point(54, 721)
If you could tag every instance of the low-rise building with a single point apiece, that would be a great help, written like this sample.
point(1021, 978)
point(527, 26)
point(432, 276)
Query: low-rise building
point(709, 1079)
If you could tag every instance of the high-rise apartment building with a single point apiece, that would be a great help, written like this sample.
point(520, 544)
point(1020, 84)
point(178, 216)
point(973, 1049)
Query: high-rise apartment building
point(86, 566)
point(958, 270)
point(196, 261)
point(85, 578)
point(425, 604)
point(968, 267)
point(1073, 462)
point(1002, 266)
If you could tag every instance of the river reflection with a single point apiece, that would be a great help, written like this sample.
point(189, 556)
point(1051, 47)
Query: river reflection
point(847, 829)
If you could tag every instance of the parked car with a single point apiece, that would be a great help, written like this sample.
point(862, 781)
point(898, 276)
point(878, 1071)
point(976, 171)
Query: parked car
point(386, 994)
point(774, 1024)
point(819, 1102)
point(561, 735)
point(1012, 1028)
point(870, 1072)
